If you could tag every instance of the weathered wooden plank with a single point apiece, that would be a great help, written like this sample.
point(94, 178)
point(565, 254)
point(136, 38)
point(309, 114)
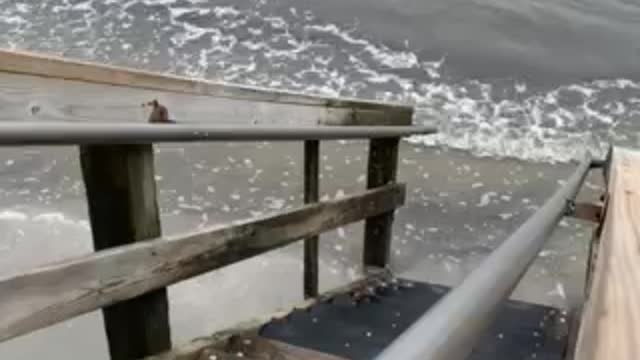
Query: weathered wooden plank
point(121, 193)
point(610, 326)
point(311, 190)
point(259, 348)
point(382, 168)
point(60, 291)
point(201, 348)
point(75, 77)
point(32, 98)
point(211, 354)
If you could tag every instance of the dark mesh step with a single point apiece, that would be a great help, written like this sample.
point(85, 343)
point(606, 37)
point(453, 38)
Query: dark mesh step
point(359, 326)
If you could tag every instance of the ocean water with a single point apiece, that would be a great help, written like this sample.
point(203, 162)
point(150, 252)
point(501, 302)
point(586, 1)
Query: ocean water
point(537, 81)
point(517, 89)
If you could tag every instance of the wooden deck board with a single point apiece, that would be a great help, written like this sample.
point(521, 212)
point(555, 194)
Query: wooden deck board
point(42, 87)
point(611, 321)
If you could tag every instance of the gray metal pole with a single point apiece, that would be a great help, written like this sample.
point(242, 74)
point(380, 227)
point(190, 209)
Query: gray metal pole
point(117, 133)
point(450, 329)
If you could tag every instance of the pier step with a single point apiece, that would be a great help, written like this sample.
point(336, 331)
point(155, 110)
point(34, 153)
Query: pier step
point(361, 324)
point(259, 348)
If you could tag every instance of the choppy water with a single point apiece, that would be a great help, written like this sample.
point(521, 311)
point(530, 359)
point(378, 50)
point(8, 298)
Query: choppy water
point(537, 81)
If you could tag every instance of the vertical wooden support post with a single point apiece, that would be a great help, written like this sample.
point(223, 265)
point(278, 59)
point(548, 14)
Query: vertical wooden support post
point(121, 193)
point(382, 169)
point(311, 182)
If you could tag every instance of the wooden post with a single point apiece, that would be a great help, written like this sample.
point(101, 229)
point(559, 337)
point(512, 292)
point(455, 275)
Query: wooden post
point(311, 184)
point(121, 193)
point(382, 169)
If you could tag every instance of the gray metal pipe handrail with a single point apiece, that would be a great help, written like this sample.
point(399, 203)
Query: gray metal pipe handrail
point(450, 329)
point(43, 133)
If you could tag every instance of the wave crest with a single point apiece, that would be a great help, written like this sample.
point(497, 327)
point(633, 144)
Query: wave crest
point(257, 44)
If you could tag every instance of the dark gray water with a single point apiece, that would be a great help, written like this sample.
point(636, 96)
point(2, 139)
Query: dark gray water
point(518, 88)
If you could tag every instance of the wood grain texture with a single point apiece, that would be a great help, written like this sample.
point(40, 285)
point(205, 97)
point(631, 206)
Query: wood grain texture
point(202, 348)
point(63, 290)
point(610, 326)
point(311, 193)
point(62, 76)
point(121, 197)
point(259, 348)
point(33, 98)
point(382, 170)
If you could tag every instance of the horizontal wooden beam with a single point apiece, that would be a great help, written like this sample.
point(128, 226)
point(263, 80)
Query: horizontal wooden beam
point(67, 289)
point(360, 112)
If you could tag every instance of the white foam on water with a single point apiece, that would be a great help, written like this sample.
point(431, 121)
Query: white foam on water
point(505, 216)
point(53, 218)
point(59, 218)
point(486, 199)
point(13, 215)
point(274, 203)
point(477, 185)
point(190, 207)
point(294, 50)
point(546, 253)
point(558, 291)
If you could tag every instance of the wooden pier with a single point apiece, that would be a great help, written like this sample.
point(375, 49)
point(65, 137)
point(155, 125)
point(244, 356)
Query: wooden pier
point(611, 318)
point(133, 262)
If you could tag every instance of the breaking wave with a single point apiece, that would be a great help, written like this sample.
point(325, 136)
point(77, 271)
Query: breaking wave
point(251, 43)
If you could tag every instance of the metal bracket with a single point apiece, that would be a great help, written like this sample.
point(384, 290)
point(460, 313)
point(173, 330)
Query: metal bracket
point(584, 211)
point(570, 208)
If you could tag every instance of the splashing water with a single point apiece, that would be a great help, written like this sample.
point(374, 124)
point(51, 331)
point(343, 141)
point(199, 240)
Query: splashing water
point(250, 43)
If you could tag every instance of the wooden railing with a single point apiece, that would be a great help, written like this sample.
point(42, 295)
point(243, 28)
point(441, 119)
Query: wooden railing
point(133, 263)
point(127, 276)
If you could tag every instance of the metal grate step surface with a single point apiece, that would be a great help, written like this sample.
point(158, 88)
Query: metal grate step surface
point(361, 324)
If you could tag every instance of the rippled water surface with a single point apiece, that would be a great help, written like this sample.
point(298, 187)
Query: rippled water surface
point(533, 80)
point(517, 89)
